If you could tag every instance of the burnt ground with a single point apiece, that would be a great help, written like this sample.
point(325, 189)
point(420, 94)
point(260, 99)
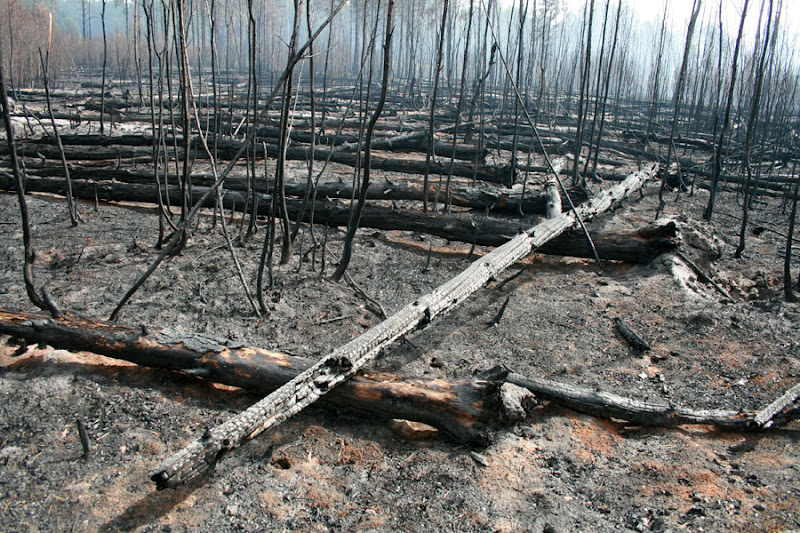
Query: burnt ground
point(324, 471)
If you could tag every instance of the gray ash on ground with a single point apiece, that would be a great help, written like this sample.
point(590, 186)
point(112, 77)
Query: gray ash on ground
point(326, 471)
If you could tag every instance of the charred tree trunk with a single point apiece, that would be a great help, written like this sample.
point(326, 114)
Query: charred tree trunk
point(355, 220)
point(462, 409)
point(720, 142)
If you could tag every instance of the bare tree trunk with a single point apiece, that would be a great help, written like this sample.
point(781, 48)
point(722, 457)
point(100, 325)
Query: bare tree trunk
point(582, 104)
point(43, 302)
point(105, 59)
point(657, 78)
point(720, 143)
point(432, 117)
point(280, 173)
point(523, 13)
point(788, 290)
point(45, 61)
point(460, 105)
point(598, 85)
point(678, 95)
point(351, 230)
point(183, 71)
point(310, 180)
point(612, 55)
point(754, 111)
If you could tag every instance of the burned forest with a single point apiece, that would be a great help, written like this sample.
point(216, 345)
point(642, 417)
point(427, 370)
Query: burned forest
point(418, 265)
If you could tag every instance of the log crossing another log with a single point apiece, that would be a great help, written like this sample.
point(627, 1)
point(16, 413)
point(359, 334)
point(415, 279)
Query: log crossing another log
point(464, 410)
point(344, 362)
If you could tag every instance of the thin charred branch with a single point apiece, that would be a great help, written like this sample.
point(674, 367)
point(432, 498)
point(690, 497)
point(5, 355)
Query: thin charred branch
point(499, 316)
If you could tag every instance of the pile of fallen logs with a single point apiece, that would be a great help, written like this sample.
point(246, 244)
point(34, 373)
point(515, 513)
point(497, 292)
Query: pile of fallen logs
point(638, 246)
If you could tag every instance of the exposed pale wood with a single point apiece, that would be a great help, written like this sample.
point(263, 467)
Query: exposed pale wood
point(703, 276)
point(552, 199)
point(342, 363)
point(766, 417)
point(462, 409)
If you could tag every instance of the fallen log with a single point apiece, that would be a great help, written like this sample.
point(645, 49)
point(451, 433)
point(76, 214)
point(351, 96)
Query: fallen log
point(608, 405)
point(440, 148)
point(462, 409)
point(484, 199)
point(129, 146)
point(344, 362)
point(637, 247)
point(80, 153)
point(481, 172)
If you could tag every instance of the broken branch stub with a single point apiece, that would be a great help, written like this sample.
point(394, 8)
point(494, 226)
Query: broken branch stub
point(344, 362)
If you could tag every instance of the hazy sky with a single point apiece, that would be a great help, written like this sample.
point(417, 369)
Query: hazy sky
point(679, 12)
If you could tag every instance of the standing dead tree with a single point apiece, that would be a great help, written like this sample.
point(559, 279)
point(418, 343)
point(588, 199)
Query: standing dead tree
point(719, 144)
point(751, 121)
point(43, 301)
point(45, 61)
point(577, 180)
point(365, 181)
point(434, 96)
point(678, 97)
point(175, 243)
point(344, 362)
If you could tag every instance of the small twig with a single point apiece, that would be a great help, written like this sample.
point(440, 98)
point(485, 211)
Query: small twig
point(334, 319)
point(496, 320)
point(633, 338)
